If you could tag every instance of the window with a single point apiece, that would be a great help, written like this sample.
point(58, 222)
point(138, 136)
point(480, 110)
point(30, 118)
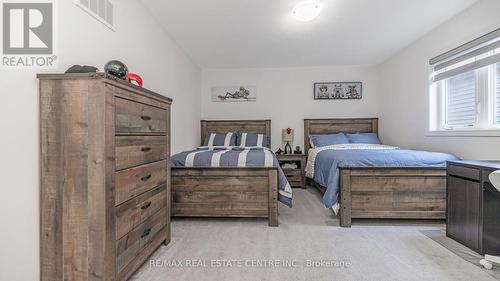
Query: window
point(461, 100)
point(465, 87)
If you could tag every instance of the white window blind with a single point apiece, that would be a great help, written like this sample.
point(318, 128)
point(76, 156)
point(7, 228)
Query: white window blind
point(497, 94)
point(473, 55)
point(465, 87)
point(461, 100)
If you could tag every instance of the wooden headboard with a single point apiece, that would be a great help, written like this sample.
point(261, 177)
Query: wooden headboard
point(333, 126)
point(225, 126)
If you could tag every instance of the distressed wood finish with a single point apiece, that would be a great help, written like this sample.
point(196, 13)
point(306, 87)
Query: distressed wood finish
point(227, 191)
point(235, 126)
point(133, 212)
point(296, 177)
point(137, 180)
point(134, 117)
point(79, 223)
point(382, 192)
point(137, 150)
point(129, 246)
point(334, 126)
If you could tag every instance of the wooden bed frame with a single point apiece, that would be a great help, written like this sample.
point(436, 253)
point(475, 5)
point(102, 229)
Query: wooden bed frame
point(381, 192)
point(227, 191)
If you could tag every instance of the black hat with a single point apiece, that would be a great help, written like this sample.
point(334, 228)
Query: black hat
point(81, 69)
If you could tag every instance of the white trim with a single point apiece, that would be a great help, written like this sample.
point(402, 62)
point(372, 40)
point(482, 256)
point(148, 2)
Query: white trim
point(464, 133)
point(97, 17)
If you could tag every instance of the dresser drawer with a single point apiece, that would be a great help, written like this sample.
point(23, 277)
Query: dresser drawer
point(293, 175)
point(134, 212)
point(463, 172)
point(130, 245)
point(137, 150)
point(134, 117)
point(135, 181)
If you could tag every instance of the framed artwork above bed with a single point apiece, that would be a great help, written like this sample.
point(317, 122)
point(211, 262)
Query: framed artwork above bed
point(338, 90)
point(234, 94)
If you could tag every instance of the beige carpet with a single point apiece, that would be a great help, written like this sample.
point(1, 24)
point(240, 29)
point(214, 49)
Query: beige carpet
point(308, 245)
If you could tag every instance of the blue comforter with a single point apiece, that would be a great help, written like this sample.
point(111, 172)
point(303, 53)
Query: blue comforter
point(235, 157)
point(328, 162)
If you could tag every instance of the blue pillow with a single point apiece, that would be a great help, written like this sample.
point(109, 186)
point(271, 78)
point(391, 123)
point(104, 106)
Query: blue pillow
point(370, 138)
point(218, 139)
point(251, 139)
point(324, 140)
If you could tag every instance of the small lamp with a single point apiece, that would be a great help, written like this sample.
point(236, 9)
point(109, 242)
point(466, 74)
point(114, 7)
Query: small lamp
point(287, 136)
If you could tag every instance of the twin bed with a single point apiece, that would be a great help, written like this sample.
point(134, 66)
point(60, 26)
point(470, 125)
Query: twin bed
point(358, 180)
point(229, 181)
point(375, 181)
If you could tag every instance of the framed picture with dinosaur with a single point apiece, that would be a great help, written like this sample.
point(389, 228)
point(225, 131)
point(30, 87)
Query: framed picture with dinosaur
point(234, 94)
point(338, 90)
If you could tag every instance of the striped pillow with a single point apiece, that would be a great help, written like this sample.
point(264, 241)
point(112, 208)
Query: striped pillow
point(218, 139)
point(250, 139)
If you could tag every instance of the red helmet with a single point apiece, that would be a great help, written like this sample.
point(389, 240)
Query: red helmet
point(133, 77)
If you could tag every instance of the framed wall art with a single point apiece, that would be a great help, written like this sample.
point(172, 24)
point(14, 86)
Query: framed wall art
point(338, 90)
point(234, 94)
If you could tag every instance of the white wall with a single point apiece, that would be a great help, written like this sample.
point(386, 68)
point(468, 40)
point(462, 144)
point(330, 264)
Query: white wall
point(144, 47)
point(285, 95)
point(403, 86)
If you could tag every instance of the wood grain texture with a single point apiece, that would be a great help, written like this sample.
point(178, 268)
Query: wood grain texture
point(345, 198)
point(137, 150)
point(273, 197)
point(133, 212)
point(77, 183)
point(409, 193)
point(235, 126)
point(134, 117)
point(225, 192)
point(135, 181)
point(335, 125)
point(136, 240)
point(296, 177)
point(382, 192)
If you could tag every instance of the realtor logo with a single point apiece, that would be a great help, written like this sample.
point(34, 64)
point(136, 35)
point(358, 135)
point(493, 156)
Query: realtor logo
point(28, 35)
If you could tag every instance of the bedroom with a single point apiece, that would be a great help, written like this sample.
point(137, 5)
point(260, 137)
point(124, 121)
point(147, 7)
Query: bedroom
point(195, 53)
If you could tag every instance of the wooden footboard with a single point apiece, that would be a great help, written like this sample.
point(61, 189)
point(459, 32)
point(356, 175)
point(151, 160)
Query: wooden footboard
point(225, 192)
point(395, 193)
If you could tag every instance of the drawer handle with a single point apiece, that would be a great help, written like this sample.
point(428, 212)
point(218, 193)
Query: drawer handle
point(146, 149)
point(146, 118)
point(146, 178)
point(145, 206)
point(146, 232)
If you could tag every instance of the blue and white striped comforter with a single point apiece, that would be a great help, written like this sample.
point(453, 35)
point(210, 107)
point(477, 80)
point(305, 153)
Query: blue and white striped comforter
point(221, 156)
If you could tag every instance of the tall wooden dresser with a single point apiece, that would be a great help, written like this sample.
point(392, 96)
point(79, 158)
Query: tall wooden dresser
point(105, 176)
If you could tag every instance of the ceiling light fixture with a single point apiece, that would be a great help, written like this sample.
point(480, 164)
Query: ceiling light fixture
point(306, 11)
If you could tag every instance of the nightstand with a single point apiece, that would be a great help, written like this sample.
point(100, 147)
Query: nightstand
point(295, 176)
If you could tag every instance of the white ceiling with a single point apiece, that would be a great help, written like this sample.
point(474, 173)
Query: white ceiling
point(261, 33)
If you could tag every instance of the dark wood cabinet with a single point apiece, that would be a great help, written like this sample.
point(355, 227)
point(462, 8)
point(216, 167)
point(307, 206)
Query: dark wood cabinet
point(473, 206)
point(463, 211)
